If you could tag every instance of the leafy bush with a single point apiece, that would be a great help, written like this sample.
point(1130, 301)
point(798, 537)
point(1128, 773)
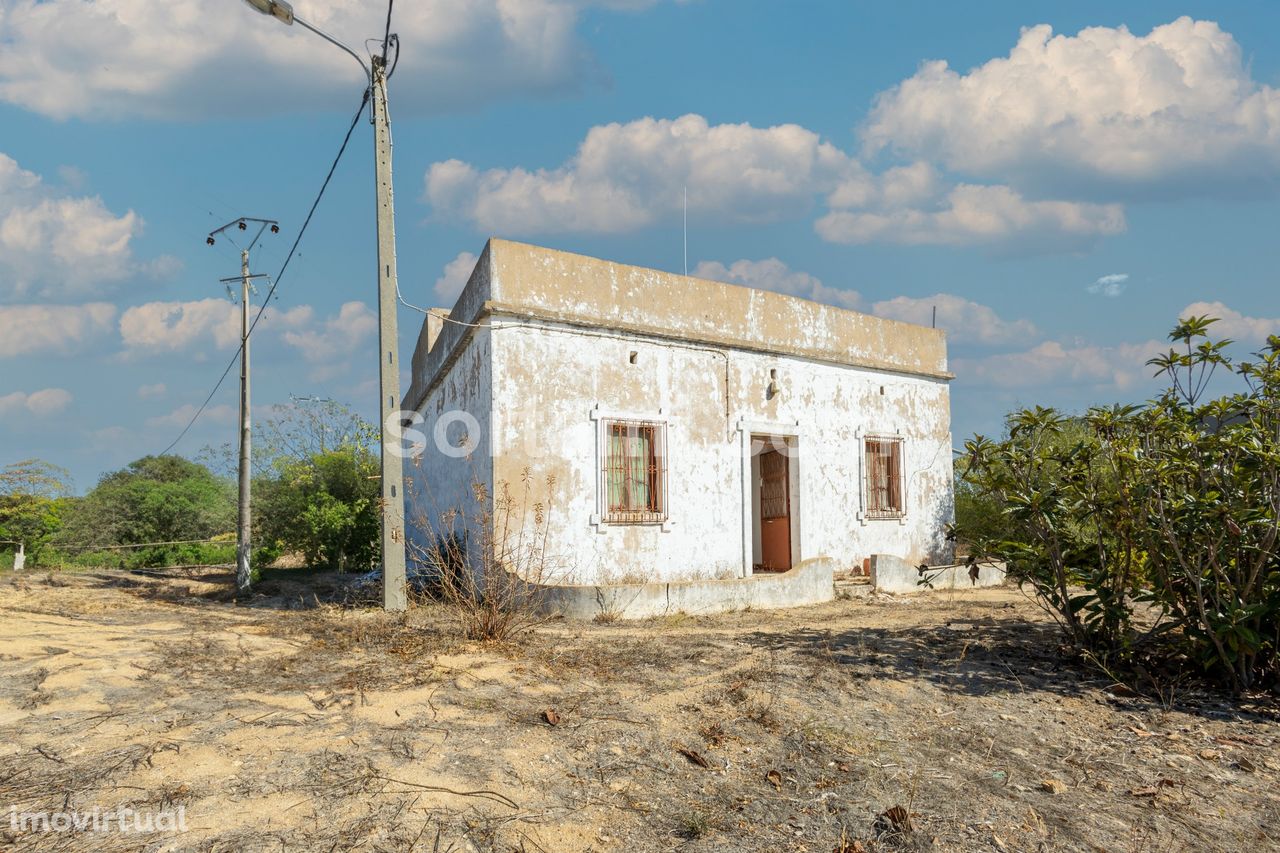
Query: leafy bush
point(321, 497)
point(32, 501)
point(156, 499)
point(1138, 523)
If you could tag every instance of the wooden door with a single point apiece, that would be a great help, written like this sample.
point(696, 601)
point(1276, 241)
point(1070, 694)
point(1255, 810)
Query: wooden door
point(775, 512)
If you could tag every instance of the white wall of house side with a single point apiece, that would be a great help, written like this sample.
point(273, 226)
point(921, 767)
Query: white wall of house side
point(565, 341)
point(549, 378)
point(438, 482)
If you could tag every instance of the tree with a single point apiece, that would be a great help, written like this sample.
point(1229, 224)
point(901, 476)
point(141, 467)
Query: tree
point(324, 507)
point(33, 496)
point(156, 499)
point(320, 495)
point(1150, 530)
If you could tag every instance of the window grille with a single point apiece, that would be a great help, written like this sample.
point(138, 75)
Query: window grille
point(884, 477)
point(634, 472)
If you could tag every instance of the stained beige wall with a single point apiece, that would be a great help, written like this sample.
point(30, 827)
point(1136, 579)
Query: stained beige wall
point(549, 378)
point(517, 279)
point(555, 339)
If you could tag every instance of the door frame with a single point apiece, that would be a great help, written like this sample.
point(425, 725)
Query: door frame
point(794, 435)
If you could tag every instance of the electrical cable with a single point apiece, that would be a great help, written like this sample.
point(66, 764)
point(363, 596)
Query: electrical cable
point(386, 37)
point(364, 101)
point(391, 72)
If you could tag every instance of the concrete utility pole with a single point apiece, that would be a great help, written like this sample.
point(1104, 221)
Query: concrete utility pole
point(393, 563)
point(244, 576)
point(393, 547)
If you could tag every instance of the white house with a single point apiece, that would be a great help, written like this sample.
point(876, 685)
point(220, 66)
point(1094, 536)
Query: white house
point(694, 429)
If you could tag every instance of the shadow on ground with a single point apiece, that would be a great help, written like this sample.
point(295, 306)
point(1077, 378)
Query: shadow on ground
point(987, 656)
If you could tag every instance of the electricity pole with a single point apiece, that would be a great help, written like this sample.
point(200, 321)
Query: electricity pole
point(244, 576)
point(392, 503)
point(393, 567)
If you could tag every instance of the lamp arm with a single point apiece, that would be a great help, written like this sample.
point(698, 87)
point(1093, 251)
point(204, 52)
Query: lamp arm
point(363, 67)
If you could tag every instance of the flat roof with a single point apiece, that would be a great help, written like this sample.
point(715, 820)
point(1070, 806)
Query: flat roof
point(525, 281)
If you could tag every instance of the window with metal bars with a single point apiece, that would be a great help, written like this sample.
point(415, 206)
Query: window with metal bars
point(883, 458)
point(634, 472)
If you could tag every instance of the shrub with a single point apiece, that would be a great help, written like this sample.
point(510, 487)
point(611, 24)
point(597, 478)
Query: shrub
point(156, 499)
point(323, 506)
point(486, 561)
point(1134, 523)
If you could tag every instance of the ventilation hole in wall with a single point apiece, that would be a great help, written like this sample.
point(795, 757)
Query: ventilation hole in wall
point(773, 373)
point(881, 390)
point(632, 358)
point(393, 491)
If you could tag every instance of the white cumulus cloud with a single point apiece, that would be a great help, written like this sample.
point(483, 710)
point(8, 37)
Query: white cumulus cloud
point(193, 58)
point(773, 274)
point(1106, 112)
point(996, 216)
point(201, 326)
point(1117, 367)
point(181, 416)
point(454, 278)
point(626, 176)
point(62, 247)
point(337, 337)
point(1112, 284)
point(53, 329)
point(965, 321)
point(39, 404)
point(167, 327)
point(1232, 323)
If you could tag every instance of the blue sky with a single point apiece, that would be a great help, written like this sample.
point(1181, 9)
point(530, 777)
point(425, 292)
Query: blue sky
point(1060, 180)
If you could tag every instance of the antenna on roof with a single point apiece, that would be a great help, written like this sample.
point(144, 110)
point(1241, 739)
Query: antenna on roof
point(686, 229)
point(934, 324)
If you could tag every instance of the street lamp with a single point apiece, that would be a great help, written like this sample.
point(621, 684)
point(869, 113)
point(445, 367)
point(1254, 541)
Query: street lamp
point(393, 545)
point(281, 11)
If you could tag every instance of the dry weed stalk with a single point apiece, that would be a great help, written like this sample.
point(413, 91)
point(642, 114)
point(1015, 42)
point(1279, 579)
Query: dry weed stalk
point(487, 563)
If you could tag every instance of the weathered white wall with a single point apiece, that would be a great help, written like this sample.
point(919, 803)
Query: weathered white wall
point(547, 379)
point(547, 359)
point(439, 485)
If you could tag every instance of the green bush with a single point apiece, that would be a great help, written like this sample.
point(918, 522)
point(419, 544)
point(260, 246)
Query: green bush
point(324, 506)
point(32, 503)
point(1141, 523)
point(156, 499)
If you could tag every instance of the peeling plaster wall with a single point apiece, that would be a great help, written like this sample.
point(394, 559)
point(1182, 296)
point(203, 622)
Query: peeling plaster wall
point(438, 483)
point(555, 343)
point(548, 379)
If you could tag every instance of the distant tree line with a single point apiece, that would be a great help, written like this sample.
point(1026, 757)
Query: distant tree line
point(315, 494)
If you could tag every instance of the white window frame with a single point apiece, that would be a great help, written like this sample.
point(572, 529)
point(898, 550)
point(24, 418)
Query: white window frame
point(864, 476)
point(664, 423)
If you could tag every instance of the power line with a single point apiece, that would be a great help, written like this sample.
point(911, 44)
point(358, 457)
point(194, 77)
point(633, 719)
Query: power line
point(386, 38)
point(276, 282)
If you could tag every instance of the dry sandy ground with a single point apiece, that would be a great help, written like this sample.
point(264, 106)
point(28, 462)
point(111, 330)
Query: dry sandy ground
point(280, 727)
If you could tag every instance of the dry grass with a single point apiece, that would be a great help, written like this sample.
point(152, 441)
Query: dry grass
point(881, 725)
